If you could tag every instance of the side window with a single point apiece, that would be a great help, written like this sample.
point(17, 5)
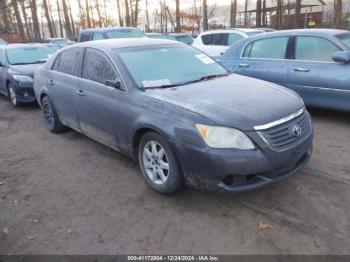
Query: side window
point(215, 39)
point(84, 37)
point(56, 63)
point(97, 36)
point(314, 49)
point(233, 38)
point(271, 48)
point(97, 67)
point(69, 60)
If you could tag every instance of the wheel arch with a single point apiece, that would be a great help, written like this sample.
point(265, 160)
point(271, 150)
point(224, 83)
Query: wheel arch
point(139, 133)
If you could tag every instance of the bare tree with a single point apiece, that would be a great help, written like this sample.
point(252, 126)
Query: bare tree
point(338, 6)
point(178, 17)
point(48, 18)
point(36, 25)
point(147, 17)
point(59, 18)
point(127, 13)
point(26, 21)
point(297, 13)
point(279, 14)
point(120, 16)
point(67, 19)
point(205, 15)
point(258, 13)
point(233, 13)
point(264, 14)
point(18, 19)
point(88, 19)
point(246, 13)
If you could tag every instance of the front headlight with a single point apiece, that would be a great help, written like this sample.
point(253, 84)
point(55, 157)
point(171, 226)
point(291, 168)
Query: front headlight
point(224, 137)
point(22, 78)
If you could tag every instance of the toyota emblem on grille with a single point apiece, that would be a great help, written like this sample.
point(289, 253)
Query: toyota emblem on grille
point(296, 130)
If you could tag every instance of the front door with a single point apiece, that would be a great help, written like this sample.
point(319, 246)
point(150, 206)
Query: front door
point(100, 106)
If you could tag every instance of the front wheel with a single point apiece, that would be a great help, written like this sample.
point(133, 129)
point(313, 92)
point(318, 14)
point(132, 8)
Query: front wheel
point(159, 165)
point(12, 96)
point(51, 118)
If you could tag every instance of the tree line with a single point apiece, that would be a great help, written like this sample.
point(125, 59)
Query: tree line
point(57, 18)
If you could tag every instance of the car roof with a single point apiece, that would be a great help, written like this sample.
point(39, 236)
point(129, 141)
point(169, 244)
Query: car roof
point(232, 30)
point(106, 29)
point(316, 32)
point(110, 44)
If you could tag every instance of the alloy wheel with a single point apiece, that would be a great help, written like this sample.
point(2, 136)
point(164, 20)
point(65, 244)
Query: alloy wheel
point(13, 96)
point(155, 162)
point(48, 114)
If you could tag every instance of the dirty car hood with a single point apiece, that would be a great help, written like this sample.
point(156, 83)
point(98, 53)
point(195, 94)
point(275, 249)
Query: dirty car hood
point(233, 101)
point(26, 69)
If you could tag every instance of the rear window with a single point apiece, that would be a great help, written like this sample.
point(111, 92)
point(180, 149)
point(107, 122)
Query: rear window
point(84, 37)
point(125, 33)
point(345, 39)
point(215, 39)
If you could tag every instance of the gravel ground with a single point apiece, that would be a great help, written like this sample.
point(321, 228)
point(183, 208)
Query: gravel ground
point(66, 194)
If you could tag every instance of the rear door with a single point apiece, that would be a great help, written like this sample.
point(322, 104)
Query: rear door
point(315, 76)
point(265, 59)
point(100, 107)
point(62, 85)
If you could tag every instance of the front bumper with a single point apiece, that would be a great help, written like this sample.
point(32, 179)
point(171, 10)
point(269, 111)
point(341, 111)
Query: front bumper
point(24, 92)
point(234, 170)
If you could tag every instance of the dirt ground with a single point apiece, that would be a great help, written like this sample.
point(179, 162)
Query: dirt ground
point(66, 194)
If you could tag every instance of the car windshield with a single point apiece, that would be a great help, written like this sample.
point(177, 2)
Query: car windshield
point(168, 65)
point(28, 55)
point(187, 39)
point(125, 33)
point(345, 38)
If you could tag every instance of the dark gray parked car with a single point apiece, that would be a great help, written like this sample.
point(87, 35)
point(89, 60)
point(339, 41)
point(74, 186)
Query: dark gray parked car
point(17, 65)
point(178, 112)
point(314, 62)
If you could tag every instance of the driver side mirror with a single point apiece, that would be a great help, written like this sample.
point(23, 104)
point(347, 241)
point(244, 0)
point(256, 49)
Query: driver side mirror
point(113, 83)
point(1, 64)
point(342, 57)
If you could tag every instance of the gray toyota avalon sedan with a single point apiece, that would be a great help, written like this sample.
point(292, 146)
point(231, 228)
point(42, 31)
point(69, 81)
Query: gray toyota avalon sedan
point(179, 113)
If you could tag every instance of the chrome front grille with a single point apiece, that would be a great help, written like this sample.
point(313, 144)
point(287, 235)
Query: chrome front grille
point(288, 134)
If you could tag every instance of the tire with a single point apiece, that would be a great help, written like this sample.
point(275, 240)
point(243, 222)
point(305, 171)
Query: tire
point(12, 96)
point(51, 118)
point(159, 165)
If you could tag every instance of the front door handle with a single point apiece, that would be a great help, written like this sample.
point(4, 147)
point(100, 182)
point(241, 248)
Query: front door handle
point(301, 69)
point(51, 83)
point(80, 92)
point(244, 65)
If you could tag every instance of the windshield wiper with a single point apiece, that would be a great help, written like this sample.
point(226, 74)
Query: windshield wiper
point(204, 78)
point(34, 62)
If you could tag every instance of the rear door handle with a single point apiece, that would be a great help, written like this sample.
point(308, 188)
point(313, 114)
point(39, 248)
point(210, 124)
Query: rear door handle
point(301, 69)
point(244, 65)
point(80, 92)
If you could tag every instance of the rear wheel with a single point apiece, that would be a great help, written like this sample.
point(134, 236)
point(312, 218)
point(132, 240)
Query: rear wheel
point(159, 165)
point(51, 118)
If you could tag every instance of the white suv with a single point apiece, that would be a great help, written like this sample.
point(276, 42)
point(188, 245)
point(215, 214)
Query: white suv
point(215, 42)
